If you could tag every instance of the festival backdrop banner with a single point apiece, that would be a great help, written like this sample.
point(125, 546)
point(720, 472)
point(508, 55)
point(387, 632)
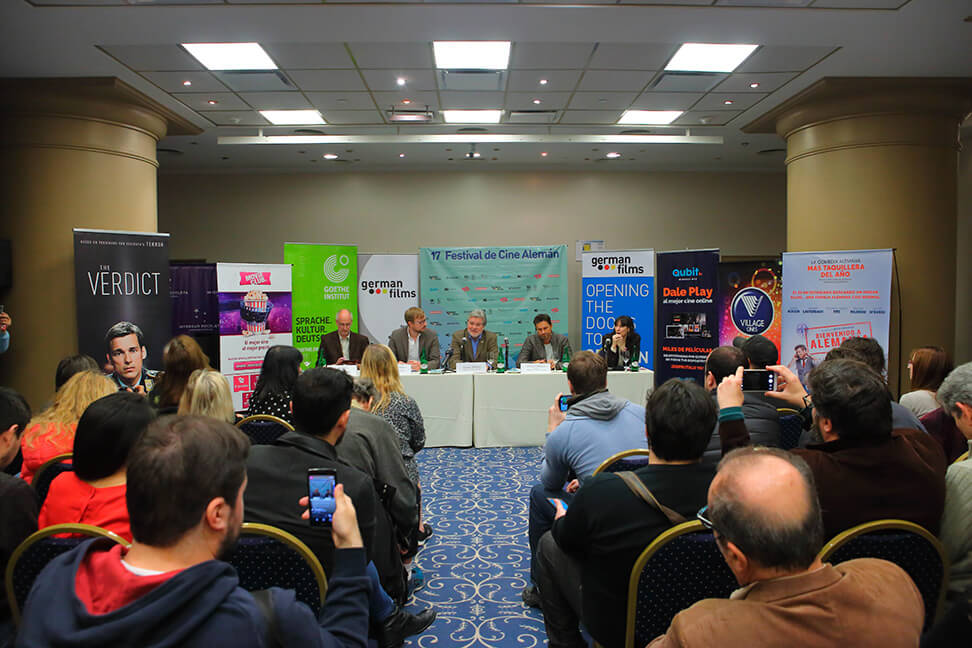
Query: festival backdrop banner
point(750, 300)
point(254, 315)
point(387, 286)
point(613, 284)
point(325, 281)
point(831, 296)
point(122, 276)
point(195, 305)
point(511, 284)
point(687, 314)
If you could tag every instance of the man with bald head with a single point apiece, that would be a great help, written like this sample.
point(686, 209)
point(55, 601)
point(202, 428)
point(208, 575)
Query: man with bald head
point(342, 346)
point(765, 514)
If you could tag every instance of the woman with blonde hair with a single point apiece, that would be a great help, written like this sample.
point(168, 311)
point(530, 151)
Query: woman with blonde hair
point(51, 432)
point(207, 393)
point(180, 357)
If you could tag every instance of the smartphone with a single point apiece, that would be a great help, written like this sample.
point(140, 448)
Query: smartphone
point(553, 502)
point(562, 402)
point(758, 380)
point(320, 492)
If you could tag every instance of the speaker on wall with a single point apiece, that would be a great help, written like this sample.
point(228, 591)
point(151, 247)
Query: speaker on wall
point(6, 265)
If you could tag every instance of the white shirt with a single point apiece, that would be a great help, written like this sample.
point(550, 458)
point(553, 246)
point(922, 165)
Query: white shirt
point(413, 348)
point(548, 350)
point(345, 346)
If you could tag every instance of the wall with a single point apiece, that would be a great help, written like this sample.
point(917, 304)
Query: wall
point(248, 217)
point(963, 260)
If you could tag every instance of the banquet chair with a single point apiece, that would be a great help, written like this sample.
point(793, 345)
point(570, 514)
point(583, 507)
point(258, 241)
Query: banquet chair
point(962, 457)
point(47, 472)
point(621, 461)
point(263, 429)
point(791, 427)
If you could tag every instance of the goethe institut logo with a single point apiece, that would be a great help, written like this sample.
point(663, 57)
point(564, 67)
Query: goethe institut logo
point(336, 270)
point(752, 311)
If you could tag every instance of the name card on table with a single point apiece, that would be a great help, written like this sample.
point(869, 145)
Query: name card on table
point(471, 367)
point(350, 369)
point(404, 369)
point(535, 368)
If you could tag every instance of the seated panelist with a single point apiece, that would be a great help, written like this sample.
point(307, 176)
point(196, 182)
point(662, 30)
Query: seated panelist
point(623, 345)
point(342, 346)
point(410, 342)
point(544, 345)
point(479, 346)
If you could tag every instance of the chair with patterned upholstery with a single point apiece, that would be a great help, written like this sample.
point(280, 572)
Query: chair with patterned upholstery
point(627, 460)
point(681, 566)
point(40, 548)
point(263, 429)
point(266, 556)
point(904, 543)
point(791, 427)
point(48, 471)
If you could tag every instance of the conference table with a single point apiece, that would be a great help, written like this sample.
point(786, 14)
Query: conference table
point(498, 410)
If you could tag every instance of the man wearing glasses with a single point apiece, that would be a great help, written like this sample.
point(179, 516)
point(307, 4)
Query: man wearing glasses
point(414, 342)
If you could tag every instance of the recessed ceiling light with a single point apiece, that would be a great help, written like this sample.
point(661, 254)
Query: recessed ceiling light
point(212, 102)
point(544, 154)
point(727, 102)
point(754, 84)
point(471, 55)
point(537, 102)
point(231, 56)
point(187, 83)
point(413, 116)
point(709, 57)
point(406, 101)
point(401, 155)
point(292, 117)
point(330, 156)
point(654, 117)
point(613, 155)
point(544, 82)
point(400, 81)
point(472, 116)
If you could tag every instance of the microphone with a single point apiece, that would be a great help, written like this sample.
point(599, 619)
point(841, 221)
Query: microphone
point(506, 351)
point(607, 341)
point(462, 349)
point(445, 360)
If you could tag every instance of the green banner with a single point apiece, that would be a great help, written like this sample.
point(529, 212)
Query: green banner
point(325, 279)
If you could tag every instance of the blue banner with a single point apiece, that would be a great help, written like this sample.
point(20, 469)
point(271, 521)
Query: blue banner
point(688, 313)
point(614, 284)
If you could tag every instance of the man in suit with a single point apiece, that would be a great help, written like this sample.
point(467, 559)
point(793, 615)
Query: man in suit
point(409, 343)
point(765, 514)
point(544, 345)
point(480, 344)
point(342, 346)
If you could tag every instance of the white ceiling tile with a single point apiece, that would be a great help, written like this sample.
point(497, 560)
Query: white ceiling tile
point(550, 56)
point(173, 81)
point(255, 80)
point(602, 100)
point(548, 100)
point(353, 117)
point(153, 57)
point(591, 117)
point(666, 100)
point(276, 100)
point(235, 118)
point(686, 82)
point(768, 82)
point(529, 80)
point(327, 80)
point(703, 118)
point(341, 100)
point(671, 2)
point(386, 80)
point(859, 4)
point(716, 101)
point(471, 99)
point(783, 59)
point(392, 55)
point(616, 80)
point(309, 56)
point(419, 100)
point(632, 56)
point(763, 3)
point(224, 101)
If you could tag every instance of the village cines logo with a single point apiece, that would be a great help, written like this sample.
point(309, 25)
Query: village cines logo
point(331, 271)
point(752, 311)
point(391, 289)
point(620, 264)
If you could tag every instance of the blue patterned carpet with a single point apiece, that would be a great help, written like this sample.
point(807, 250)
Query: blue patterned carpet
point(477, 561)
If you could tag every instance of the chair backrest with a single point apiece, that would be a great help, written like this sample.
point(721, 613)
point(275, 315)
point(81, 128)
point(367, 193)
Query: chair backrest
point(266, 556)
point(48, 471)
point(263, 429)
point(627, 460)
point(904, 543)
point(791, 429)
point(962, 457)
point(40, 548)
point(681, 566)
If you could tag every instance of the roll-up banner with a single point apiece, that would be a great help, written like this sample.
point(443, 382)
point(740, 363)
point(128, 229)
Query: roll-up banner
point(687, 314)
point(122, 276)
point(831, 296)
point(613, 284)
point(750, 300)
point(325, 281)
point(195, 305)
point(254, 314)
point(387, 286)
point(511, 284)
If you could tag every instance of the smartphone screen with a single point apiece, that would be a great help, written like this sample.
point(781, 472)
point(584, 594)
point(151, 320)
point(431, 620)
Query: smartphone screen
point(563, 403)
point(320, 492)
point(758, 380)
point(553, 502)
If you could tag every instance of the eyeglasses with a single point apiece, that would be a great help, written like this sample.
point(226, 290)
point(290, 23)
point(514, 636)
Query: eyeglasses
point(706, 522)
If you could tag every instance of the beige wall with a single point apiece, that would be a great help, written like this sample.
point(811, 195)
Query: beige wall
point(248, 217)
point(963, 260)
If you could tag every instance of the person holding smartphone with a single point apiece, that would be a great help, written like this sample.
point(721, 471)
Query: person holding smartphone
point(5, 323)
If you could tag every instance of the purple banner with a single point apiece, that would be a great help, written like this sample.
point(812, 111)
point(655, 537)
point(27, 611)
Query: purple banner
point(193, 291)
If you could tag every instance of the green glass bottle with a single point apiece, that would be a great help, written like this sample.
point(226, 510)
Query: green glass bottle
point(423, 362)
point(565, 359)
point(321, 359)
point(501, 360)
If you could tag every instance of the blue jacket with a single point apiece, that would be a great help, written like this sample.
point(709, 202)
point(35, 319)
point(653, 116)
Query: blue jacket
point(202, 606)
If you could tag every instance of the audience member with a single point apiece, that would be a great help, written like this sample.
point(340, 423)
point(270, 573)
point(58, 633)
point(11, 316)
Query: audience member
point(596, 425)
point(762, 419)
point(473, 343)
point(342, 346)
point(207, 393)
point(767, 523)
point(802, 363)
point(186, 478)
point(180, 357)
point(584, 563)
point(415, 341)
point(94, 493)
point(927, 369)
point(873, 356)
point(864, 470)
point(722, 361)
point(125, 351)
point(955, 395)
point(5, 323)
point(51, 432)
point(71, 365)
point(544, 345)
point(275, 387)
point(622, 346)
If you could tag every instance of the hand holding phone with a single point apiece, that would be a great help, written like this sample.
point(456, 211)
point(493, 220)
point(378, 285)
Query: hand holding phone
point(562, 402)
point(320, 493)
point(758, 380)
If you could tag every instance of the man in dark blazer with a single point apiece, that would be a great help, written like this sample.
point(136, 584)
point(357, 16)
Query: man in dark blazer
point(535, 346)
point(342, 346)
point(409, 342)
point(480, 344)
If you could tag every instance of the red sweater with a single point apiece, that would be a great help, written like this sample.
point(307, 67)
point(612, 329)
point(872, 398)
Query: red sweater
point(73, 500)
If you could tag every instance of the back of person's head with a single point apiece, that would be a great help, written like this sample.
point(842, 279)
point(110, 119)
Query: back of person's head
point(760, 351)
point(955, 389)
point(175, 469)
point(363, 393)
point(107, 431)
point(929, 366)
point(71, 365)
point(842, 353)
point(587, 372)
point(379, 365)
point(74, 396)
point(739, 341)
point(321, 396)
point(723, 361)
point(281, 366)
point(679, 419)
point(870, 349)
point(854, 397)
point(180, 357)
point(774, 527)
point(207, 393)
point(14, 410)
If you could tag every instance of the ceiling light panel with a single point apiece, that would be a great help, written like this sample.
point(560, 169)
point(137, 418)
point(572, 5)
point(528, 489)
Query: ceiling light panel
point(231, 56)
point(292, 117)
point(709, 57)
point(471, 55)
point(472, 116)
point(649, 117)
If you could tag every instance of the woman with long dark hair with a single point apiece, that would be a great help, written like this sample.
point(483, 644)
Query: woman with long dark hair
point(927, 369)
point(275, 388)
point(180, 357)
point(622, 345)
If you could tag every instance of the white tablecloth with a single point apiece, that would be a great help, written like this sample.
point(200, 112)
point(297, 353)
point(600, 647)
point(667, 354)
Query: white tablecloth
point(446, 402)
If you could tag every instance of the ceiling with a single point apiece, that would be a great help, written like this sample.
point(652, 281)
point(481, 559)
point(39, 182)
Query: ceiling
point(598, 58)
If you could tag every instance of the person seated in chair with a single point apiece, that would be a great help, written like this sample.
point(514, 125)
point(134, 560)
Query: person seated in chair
point(342, 346)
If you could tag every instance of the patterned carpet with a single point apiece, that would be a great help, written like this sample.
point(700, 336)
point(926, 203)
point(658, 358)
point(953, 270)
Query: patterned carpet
point(477, 561)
